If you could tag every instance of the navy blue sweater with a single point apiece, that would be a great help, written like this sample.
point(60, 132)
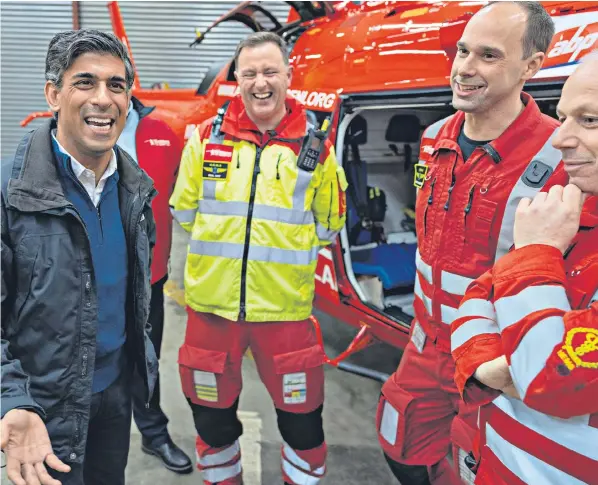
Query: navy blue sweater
point(109, 256)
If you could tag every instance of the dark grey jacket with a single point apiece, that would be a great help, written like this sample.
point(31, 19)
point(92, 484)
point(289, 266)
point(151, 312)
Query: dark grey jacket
point(49, 301)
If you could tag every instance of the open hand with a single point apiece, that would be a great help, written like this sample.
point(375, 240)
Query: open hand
point(26, 444)
point(551, 218)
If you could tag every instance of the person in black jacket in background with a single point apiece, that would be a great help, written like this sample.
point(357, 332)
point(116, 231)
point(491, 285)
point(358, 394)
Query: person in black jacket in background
point(77, 236)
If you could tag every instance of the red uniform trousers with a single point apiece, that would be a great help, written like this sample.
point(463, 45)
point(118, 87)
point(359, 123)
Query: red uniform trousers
point(421, 418)
point(290, 364)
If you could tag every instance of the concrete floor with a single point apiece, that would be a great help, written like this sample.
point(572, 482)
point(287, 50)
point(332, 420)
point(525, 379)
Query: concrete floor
point(349, 412)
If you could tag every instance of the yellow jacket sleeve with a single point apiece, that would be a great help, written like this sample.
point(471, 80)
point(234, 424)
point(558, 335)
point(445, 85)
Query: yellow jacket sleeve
point(329, 205)
point(188, 187)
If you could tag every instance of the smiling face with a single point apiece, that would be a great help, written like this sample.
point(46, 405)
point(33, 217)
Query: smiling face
point(577, 137)
point(91, 105)
point(263, 79)
point(488, 69)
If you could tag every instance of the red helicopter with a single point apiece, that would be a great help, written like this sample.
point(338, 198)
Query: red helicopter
point(380, 71)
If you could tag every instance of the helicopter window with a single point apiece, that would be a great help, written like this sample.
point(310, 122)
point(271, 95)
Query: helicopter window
point(209, 77)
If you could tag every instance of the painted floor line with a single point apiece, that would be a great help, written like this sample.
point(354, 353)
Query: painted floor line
point(251, 447)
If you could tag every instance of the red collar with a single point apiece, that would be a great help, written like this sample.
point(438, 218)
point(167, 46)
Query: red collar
point(521, 129)
point(237, 122)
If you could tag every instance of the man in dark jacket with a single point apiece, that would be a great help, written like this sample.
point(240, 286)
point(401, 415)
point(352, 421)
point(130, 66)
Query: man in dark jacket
point(77, 236)
point(155, 147)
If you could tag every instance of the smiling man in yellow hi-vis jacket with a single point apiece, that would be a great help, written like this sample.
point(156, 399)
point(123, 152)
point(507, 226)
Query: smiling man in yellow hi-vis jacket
point(260, 193)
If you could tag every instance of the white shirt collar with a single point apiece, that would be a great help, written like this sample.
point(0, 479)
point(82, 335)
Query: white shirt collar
point(87, 177)
point(79, 169)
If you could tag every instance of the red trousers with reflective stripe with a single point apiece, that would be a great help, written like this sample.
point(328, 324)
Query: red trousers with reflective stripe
point(417, 410)
point(289, 361)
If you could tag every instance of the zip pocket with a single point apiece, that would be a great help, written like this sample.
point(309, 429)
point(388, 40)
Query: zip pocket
point(430, 200)
point(469, 201)
point(277, 165)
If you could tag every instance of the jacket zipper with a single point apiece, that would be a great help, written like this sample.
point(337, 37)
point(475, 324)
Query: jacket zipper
point(330, 206)
point(72, 210)
point(256, 172)
point(430, 200)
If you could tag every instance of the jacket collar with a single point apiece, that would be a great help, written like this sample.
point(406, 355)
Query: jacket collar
point(141, 109)
point(237, 122)
point(521, 129)
point(35, 181)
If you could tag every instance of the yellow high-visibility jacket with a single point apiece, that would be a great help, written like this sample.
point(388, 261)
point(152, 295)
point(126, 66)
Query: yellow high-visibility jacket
point(257, 220)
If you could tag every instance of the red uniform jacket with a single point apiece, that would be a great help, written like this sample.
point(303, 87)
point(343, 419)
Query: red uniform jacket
point(159, 154)
point(541, 311)
point(465, 209)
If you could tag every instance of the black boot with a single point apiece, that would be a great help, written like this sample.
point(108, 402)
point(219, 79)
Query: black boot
point(171, 455)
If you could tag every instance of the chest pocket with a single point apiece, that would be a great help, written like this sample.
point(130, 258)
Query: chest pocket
point(480, 204)
point(282, 183)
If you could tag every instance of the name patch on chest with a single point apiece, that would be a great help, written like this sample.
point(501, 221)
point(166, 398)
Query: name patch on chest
point(216, 162)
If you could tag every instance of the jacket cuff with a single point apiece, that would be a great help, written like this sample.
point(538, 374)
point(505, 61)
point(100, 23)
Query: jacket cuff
point(21, 402)
point(539, 260)
point(468, 361)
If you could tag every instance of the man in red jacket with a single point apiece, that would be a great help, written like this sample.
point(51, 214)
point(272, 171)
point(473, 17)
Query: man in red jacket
point(528, 329)
point(153, 145)
point(476, 166)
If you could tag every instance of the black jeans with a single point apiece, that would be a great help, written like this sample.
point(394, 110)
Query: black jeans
point(152, 421)
point(108, 436)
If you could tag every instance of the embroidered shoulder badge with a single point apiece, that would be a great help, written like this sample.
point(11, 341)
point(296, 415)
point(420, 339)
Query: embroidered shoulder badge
point(580, 349)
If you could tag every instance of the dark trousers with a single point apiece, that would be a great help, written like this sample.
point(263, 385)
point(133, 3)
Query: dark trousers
point(152, 421)
point(108, 436)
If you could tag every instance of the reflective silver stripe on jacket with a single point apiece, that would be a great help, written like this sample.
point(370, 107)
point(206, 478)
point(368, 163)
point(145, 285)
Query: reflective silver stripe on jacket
point(449, 282)
point(594, 298)
point(427, 301)
point(549, 156)
point(433, 130)
point(256, 253)
point(522, 464)
point(184, 216)
point(536, 346)
point(513, 309)
point(454, 283)
point(325, 234)
point(424, 268)
point(574, 434)
point(470, 329)
point(533, 351)
point(477, 307)
point(260, 211)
